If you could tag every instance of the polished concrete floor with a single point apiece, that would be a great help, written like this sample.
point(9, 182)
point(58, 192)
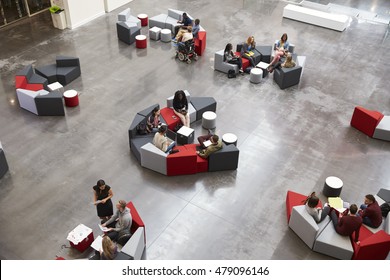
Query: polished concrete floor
point(288, 139)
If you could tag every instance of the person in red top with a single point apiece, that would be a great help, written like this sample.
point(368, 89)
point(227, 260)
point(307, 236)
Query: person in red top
point(371, 212)
point(346, 225)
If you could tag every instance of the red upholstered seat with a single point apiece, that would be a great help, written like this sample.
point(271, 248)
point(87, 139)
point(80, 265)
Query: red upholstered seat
point(137, 221)
point(21, 82)
point(245, 62)
point(294, 199)
point(200, 43)
point(373, 246)
point(181, 163)
point(170, 118)
point(365, 120)
point(202, 165)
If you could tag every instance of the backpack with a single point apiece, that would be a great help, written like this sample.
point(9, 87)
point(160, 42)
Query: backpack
point(141, 129)
point(231, 73)
point(385, 208)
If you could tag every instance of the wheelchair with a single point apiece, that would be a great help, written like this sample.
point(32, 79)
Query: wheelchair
point(186, 51)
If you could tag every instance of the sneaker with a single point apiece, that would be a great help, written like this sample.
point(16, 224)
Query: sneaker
point(210, 131)
point(173, 151)
point(241, 71)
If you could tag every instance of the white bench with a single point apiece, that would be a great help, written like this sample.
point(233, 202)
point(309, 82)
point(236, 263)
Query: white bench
point(327, 20)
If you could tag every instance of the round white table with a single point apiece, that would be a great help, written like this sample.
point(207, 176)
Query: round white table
point(229, 138)
point(209, 120)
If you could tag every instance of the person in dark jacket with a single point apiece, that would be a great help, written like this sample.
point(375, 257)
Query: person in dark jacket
point(180, 107)
point(371, 212)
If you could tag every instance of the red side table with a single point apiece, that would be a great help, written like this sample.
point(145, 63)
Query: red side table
point(81, 238)
point(71, 98)
point(140, 42)
point(144, 19)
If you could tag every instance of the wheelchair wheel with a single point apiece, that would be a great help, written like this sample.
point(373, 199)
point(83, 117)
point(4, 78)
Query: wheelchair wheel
point(181, 56)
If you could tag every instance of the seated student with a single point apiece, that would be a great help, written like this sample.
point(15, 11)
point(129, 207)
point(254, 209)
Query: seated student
point(110, 250)
point(346, 225)
point(281, 49)
point(196, 28)
point(216, 145)
point(247, 50)
point(204, 138)
point(120, 222)
point(153, 121)
point(180, 107)
point(231, 58)
point(371, 212)
point(289, 63)
point(317, 213)
point(161, 141)
point(185, 22)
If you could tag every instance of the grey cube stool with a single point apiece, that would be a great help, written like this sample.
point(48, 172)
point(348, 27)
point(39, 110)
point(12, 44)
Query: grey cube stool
point(256, 75)
point(332, 187)
point(154, 33)
point(209, 120)
point(166, 35)
point(229, 138)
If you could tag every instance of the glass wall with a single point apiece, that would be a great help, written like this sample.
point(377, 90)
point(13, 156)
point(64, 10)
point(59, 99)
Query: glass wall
point(13, 10)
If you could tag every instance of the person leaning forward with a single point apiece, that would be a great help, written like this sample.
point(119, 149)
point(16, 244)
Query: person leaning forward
point(120, 223)
point(216, 145)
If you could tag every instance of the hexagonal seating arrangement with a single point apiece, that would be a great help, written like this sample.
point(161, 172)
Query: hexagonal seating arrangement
point(185, 161)
point(322, 237)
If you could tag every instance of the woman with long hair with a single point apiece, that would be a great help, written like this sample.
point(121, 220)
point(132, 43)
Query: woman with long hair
point(311, 206)
point(248, 50)
point(102, 199)
point(281, 49)
point(180, 107)
point(231, 58)
point(110, 250)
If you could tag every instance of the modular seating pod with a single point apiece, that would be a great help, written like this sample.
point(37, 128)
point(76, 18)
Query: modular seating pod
point(323, 238)
point(186, 161)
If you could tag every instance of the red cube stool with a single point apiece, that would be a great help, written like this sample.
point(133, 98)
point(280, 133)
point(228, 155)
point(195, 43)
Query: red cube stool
point(140, 42)
point(373, 246)
point(365, 120)
point(71, 98)
point(144, 19)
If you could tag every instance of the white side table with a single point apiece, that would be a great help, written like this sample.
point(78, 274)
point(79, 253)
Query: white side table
point(209, 120)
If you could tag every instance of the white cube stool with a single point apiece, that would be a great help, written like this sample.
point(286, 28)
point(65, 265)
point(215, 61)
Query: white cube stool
point(55, 86)
point(154, 33)
point(229, 138)
point(166, 35)
point(332, 187)
point(256, 75)
point(209, 120)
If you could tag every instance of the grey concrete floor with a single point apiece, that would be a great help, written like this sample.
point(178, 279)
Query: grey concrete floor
point(288, 139)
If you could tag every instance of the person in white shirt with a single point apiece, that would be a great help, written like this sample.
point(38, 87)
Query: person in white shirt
point(162, 142)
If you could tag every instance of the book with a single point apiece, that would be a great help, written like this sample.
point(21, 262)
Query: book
point(97, 243)
point(336, 202)
point(104, 229)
